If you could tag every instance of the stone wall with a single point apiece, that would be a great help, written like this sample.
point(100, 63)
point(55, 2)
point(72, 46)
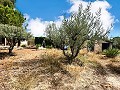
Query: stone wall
point(97, 47)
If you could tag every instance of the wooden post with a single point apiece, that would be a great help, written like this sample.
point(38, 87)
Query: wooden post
point(5, 42)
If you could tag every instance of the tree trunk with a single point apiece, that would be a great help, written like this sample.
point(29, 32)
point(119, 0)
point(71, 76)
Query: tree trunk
point(12, 43)
point(19, 43)
point(10, 50)
point(70, 60)
point(69, 57)
point(72, 55)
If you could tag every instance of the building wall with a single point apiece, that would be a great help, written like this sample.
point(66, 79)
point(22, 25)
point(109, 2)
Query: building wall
point(24, 43)
point(98, 47)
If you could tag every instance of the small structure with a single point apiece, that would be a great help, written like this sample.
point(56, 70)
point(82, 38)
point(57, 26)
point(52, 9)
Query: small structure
point(102, 45)
point(43, 41)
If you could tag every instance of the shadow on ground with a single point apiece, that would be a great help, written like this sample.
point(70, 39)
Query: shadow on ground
point(3, 55)
point(30, 72)
point(6, 54)
point(115, 69)
point(99, 69)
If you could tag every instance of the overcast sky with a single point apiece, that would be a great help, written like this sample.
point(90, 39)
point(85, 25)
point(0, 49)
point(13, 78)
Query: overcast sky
point(41, 12)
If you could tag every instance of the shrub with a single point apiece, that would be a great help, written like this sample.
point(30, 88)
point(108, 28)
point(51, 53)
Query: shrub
point(38, 45)
point(48, 46)
point(111, 53)
point(23, 45)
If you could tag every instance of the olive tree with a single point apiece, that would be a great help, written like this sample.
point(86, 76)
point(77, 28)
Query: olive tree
point(76, 30)
point(12, 34)
point(54, 35)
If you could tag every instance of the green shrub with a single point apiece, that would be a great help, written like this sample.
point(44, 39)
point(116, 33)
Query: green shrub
point(49, 46)
point(111, 53)
point(38, 45)
point(23, 45)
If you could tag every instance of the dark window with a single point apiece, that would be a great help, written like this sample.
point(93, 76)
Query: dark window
point(105, 46)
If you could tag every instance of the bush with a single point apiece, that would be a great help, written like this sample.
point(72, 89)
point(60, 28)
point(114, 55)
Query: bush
point(38, 45)
point(23, 45)
point(111, 53)
point(49, 46)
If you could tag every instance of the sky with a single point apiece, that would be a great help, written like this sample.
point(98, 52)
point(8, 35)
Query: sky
point(39, 13)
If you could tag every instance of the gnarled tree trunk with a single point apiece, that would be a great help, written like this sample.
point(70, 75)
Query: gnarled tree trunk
point(12, 43)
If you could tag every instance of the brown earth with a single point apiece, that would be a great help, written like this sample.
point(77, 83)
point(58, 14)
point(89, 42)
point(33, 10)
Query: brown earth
point(45, 69)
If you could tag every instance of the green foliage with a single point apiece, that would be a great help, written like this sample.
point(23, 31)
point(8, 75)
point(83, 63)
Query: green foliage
point(53, 33)
point(11, 21)
point(90, 45)
point(12, 34)
point(23, 45)
point(116, 42)
point(48, 42)
point(76, 30)
point(43, 41)
point(28, 36)
point(10, 16)
point(7, 3)
point(111, 53)
point(48, 46)
point(38, 45)
point(13, 1)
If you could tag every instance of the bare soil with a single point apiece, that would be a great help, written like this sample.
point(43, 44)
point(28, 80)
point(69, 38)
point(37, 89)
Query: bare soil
point(45, 69)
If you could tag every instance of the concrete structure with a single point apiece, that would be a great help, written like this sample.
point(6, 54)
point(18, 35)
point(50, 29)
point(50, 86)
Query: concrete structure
point(101, 45)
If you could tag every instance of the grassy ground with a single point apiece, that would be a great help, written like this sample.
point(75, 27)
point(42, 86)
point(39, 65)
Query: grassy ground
point(47, 70)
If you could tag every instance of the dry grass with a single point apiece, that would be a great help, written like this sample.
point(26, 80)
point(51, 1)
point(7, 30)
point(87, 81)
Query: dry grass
point(25, 70)
point(45, 70)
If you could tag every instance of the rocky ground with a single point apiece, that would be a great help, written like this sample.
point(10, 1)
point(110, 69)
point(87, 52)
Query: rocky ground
point(46, 70)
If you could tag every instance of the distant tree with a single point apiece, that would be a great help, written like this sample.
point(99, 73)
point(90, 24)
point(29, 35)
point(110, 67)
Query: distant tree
point(77, 29)
point(53, 34)
point(116, 42)
point(12, 34)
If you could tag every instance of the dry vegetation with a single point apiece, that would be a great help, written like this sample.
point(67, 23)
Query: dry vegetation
point(47, 70)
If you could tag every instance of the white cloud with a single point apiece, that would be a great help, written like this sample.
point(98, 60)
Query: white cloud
point(59, 21)
point(106, 18)
point(26, 16)
point(117, 21)
point(75, 5)
point(37, 26)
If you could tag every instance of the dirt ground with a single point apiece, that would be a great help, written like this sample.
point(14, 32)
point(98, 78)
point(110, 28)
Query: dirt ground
point(45, 69)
